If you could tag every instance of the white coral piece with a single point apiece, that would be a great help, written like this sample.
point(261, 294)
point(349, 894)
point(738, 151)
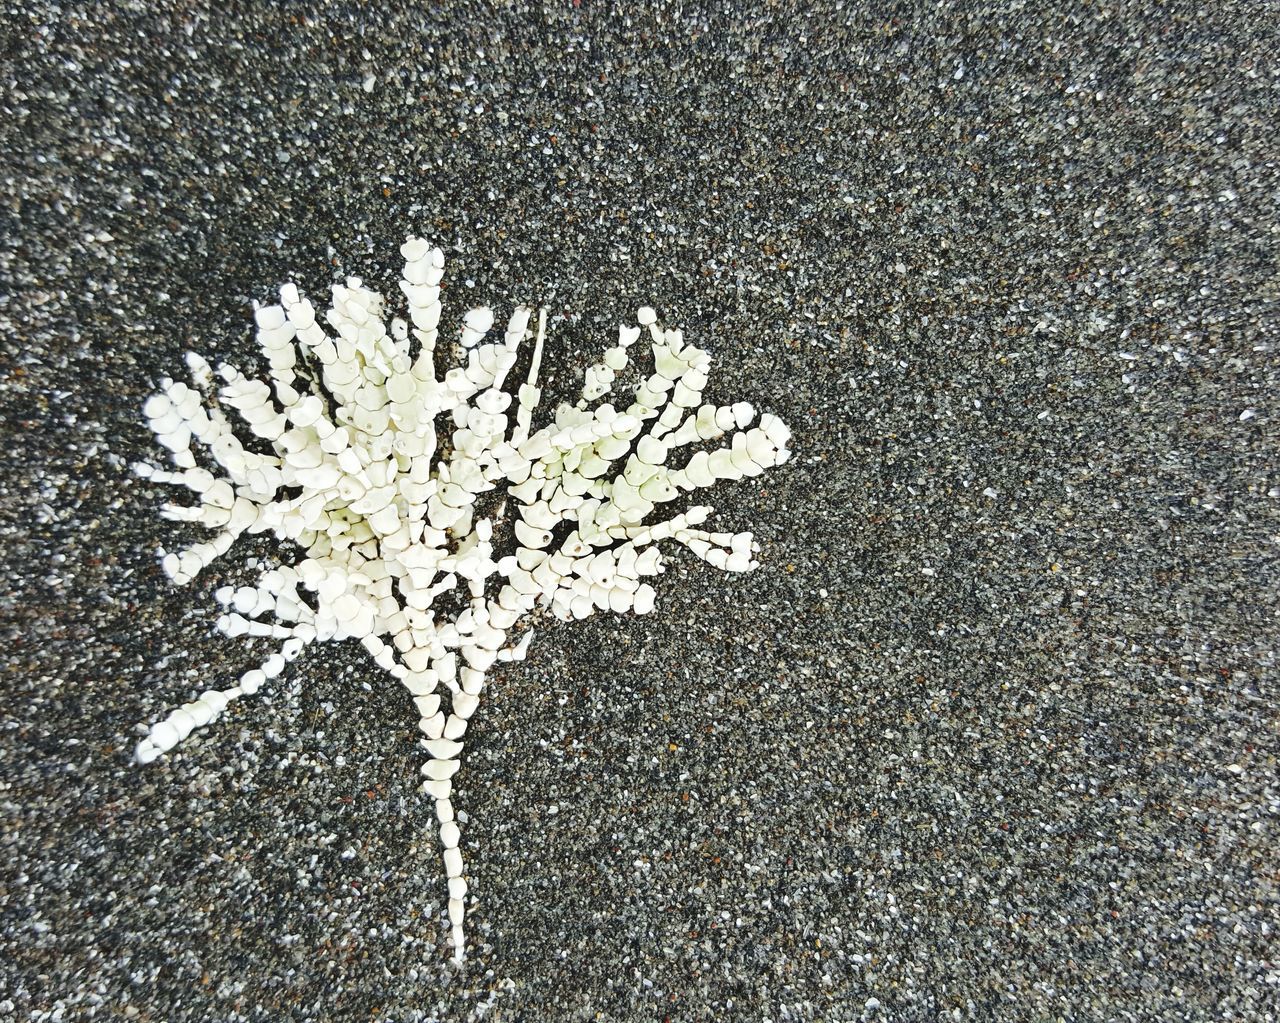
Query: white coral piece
point(383, 509)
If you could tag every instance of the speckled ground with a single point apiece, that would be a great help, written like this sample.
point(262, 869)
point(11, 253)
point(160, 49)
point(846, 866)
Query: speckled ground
point(992, 734)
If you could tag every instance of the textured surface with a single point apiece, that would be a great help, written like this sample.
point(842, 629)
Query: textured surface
point(992, 734)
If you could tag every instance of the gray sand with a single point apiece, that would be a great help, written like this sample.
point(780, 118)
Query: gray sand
point(992, 732)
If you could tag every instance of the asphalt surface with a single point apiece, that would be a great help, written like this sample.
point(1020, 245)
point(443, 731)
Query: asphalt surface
point(991, 734)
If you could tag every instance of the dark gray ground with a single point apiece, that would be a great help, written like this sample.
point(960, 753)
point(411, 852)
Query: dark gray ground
point(992, 734)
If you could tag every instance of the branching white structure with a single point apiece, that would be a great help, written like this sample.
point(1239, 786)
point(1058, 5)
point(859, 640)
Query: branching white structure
point(388, 513)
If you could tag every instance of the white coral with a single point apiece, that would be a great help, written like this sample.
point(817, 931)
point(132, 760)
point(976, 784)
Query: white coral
point(385, 511)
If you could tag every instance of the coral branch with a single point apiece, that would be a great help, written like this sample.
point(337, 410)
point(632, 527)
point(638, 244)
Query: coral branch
point(383, 515)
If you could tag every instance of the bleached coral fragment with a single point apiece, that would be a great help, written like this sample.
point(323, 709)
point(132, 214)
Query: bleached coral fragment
point(375, 466)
